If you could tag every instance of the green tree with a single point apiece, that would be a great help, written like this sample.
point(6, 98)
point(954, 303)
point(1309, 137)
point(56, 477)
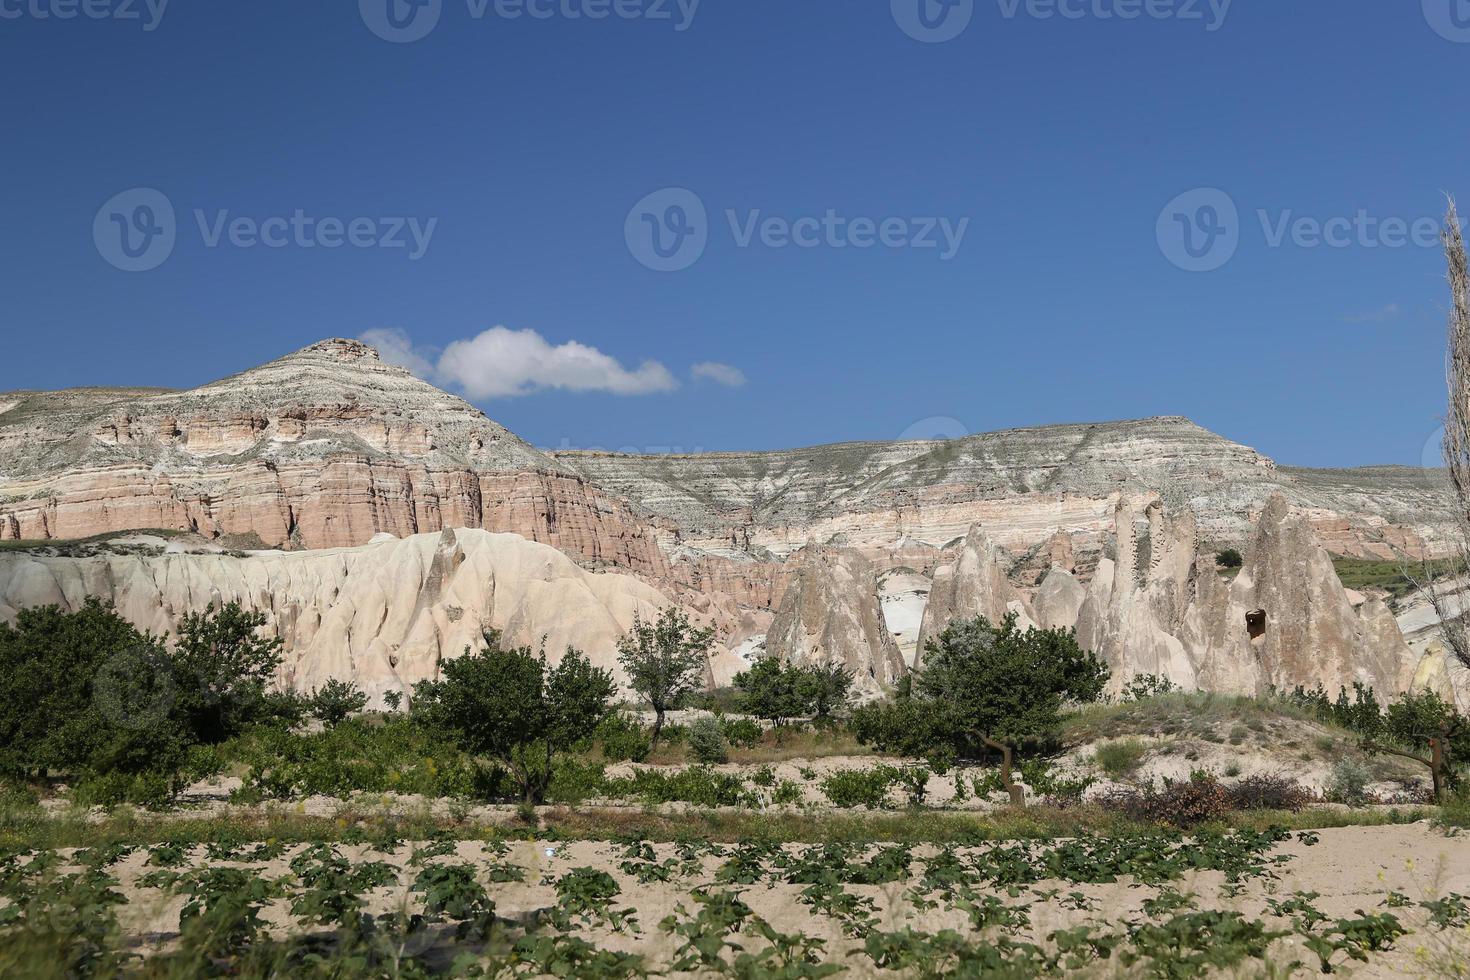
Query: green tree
point(826, 689)
point(1432, 733)
point(773, 691)
point(223, 668)
point(334, 701)
point(665, 662)
point(508, 705)
point(1229, 558)
point(988, 688)
point(51, 718)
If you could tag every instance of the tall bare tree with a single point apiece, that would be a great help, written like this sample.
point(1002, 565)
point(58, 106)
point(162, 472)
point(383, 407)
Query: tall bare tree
point(1448, 603)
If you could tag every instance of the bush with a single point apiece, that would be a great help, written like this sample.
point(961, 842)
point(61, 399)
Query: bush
point(1145, 686)
point(575, 781)
point(1118, 759)
point(1183, 804)
point(742, 732)
point(1203, 798)
point(1229, 558)
point(357, 756)
point(707, 743)
point(153, 790)
point(697, 785)
point(860, 787)
point(1349, 782)
point(622, 739)
point(332, 703)
point(1060, 789)
point(1263, 792)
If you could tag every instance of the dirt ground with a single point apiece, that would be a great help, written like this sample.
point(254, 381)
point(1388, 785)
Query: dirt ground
point(1353, 870)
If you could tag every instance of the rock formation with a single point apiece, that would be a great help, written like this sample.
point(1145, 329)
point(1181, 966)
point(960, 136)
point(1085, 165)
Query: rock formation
point(1285, 620)
point(832, 612)
point(383, 615)
point(1130, 616)
point(328, 448)
point(975, 584)
point(1059, 600)
point(324, 448)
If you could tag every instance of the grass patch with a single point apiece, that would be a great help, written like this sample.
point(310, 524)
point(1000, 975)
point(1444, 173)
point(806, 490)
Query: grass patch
point(1178, 713)
point(1390, 576)
point(35, 829)
point(1118, 759)
point(775, 746)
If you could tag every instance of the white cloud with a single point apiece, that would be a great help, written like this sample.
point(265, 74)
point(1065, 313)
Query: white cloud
point(1389, 312)
point(724, 374)
point(395, 347)
point(505, 363)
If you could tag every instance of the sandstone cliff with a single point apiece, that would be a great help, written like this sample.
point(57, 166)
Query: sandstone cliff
point(384, 615)
point(324, 448)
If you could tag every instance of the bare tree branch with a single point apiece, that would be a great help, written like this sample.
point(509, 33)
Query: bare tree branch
point(1456, 439)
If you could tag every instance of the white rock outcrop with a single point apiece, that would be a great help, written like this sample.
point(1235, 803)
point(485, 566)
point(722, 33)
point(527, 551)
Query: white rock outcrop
point(384, 615)
point(832, 613)
point(977, 583)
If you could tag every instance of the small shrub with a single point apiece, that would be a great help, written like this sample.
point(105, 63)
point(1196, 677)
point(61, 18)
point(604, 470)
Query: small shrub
point(707, 743)
point(1186, 803)
point(1229, 558)
point(698, 785)
point(742, 732)
point(335, 701)
point(622, 739)
point(1203, 798)
point(1118, 759)
point(860, 787)
point(573, 781)
point(1145, 686)
point(1349, 782)
point(1262, 792)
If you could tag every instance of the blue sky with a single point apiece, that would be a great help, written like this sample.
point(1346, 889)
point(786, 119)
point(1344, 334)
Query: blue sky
point(1054, 142)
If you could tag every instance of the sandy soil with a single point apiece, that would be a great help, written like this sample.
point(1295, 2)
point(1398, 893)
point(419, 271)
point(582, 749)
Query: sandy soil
point(1351, 869)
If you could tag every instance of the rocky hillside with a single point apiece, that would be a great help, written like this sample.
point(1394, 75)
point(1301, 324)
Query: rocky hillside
point(323, 448)
point(844, 553)
point(1015, 482)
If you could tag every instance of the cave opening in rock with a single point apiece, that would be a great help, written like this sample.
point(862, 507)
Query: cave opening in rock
point(1255, 623)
